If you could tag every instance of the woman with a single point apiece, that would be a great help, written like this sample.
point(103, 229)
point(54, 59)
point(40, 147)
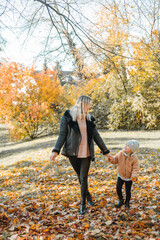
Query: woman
point(77, 132)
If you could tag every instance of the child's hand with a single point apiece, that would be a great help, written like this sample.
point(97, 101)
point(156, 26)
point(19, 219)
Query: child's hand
point(134, 179)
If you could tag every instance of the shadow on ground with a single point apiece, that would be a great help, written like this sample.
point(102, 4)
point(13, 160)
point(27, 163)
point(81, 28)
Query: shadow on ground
point(41, 145)
point(49, 144)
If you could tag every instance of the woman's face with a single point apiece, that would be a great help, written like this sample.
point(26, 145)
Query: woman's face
point(87, 107)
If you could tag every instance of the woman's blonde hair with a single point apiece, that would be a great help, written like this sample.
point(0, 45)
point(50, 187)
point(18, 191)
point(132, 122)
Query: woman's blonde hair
point(79, 108)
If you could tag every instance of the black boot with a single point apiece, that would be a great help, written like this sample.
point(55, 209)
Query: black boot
point(127, 205)
point(82, 209)
point(120, 203)
point(89, 199)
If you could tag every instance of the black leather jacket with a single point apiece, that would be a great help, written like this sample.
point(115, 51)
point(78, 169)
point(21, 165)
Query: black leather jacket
point(70, 137)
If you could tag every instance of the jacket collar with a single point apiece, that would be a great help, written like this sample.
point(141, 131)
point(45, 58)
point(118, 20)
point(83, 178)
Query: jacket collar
point(128, 155)
point(75, 126)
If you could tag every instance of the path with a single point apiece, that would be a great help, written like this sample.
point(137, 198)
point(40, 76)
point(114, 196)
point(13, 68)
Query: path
point(11, 152)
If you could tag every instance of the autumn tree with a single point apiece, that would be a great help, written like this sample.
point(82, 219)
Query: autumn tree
point(139, 109)
point(145, 81)
point(29, 100)
point(115, 30)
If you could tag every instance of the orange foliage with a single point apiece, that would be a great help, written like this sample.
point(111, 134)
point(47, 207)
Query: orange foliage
point(26, 98)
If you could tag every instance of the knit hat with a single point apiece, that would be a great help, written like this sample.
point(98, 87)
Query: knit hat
point(133, 144)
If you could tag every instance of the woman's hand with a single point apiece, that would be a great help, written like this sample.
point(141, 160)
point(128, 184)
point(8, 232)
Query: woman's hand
point(53, 156)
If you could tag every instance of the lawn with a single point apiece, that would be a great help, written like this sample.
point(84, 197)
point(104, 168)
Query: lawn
point(38, 202)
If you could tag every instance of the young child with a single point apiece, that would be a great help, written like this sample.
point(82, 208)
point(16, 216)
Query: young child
point(128, 169)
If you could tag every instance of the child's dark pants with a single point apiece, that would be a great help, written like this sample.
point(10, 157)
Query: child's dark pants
point(128, 185)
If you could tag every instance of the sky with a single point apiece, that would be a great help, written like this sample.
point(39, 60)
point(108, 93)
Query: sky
point(15, 51)
point(25, 53)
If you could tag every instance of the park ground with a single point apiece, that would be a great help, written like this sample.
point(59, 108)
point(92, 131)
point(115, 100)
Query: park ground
point(40, 200)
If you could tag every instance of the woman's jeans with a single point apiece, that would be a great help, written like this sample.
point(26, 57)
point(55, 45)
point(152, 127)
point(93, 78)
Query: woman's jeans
point(128, 185)
point(81, 166)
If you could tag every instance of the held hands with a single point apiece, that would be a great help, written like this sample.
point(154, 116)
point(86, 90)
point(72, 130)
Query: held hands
point(109, 156)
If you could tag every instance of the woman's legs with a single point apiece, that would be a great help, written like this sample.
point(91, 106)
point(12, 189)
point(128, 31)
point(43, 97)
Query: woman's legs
point(76, 165)
point(84, 169)
point(81, 167)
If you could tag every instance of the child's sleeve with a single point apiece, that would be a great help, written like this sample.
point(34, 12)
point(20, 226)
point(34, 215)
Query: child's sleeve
point(113, 160)
point(135, 168)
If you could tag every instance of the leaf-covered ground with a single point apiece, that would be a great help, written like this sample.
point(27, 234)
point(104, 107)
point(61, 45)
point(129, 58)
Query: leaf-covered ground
point(38, 203)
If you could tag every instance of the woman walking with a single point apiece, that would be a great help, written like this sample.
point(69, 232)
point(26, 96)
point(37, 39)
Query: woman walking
point(77, 132)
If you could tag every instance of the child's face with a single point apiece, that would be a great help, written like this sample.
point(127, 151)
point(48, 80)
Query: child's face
point(127, 149)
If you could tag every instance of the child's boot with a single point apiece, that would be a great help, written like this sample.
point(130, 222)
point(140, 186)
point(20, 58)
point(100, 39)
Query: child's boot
point(120, 203)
